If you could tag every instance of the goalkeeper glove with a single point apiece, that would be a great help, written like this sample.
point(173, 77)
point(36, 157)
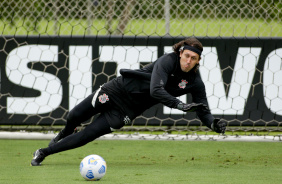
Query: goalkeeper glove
point(191, 107)
point(218, 125)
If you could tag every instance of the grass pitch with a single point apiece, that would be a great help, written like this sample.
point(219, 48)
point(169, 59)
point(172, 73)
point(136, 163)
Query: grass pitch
point(179, 27)
point(154, 162)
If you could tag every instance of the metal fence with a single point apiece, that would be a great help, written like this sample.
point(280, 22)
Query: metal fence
point(243, 18)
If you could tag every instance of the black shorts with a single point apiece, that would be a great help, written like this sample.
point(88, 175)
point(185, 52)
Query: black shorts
point(103, 103)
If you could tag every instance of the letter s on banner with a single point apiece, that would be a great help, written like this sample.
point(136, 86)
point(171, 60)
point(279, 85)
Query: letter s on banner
point(49, 85)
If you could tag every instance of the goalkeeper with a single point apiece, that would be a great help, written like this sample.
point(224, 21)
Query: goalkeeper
point(124, 98)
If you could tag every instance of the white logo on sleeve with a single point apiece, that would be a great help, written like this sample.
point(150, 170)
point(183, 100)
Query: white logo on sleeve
point(126, 120)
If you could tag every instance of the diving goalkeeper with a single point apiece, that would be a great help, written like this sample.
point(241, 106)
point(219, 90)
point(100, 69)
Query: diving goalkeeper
point(122, 99)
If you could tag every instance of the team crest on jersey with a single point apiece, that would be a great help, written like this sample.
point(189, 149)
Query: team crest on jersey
point(182, 84)
point(103, 98)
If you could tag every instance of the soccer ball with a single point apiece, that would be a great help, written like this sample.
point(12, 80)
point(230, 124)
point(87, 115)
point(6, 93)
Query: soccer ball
point(93, 167)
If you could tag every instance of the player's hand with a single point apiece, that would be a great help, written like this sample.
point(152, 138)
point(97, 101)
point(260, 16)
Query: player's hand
point(218, 125)
point(191, 107)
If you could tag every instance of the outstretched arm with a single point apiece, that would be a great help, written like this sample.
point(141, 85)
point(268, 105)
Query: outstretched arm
point(163, 68)
point(199, 96)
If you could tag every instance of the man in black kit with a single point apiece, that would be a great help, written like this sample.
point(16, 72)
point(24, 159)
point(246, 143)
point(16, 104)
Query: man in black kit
point(124, 98)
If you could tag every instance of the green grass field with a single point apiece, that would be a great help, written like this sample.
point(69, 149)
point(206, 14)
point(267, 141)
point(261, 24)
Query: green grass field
point(137, 27)
point(154, 162)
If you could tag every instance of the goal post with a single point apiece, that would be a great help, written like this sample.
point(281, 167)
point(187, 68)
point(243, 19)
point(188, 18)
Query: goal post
point(55, 53)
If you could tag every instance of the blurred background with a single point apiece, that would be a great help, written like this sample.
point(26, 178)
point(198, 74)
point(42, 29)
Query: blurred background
point(210, 18)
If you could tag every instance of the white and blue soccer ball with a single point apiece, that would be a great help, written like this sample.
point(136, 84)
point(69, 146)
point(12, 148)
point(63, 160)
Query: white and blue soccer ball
point(93, 167)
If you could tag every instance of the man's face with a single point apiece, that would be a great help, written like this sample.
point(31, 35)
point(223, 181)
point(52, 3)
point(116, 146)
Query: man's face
point(188, 59)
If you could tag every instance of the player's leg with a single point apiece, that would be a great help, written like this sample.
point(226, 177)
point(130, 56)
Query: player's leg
point(79, 114)
point(99, 127)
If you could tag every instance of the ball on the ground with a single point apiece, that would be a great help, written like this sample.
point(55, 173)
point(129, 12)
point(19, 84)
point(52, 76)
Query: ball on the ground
point(93, 167)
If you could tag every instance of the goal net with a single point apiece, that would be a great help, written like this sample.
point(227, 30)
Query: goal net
point(55, 53)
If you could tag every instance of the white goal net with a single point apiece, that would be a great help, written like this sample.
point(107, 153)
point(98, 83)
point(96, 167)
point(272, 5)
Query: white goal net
point(54, 53)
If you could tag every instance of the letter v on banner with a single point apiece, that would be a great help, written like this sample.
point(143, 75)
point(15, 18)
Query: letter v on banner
point(234, 102)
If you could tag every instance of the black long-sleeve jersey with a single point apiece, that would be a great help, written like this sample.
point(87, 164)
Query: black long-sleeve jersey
point(159, 82)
